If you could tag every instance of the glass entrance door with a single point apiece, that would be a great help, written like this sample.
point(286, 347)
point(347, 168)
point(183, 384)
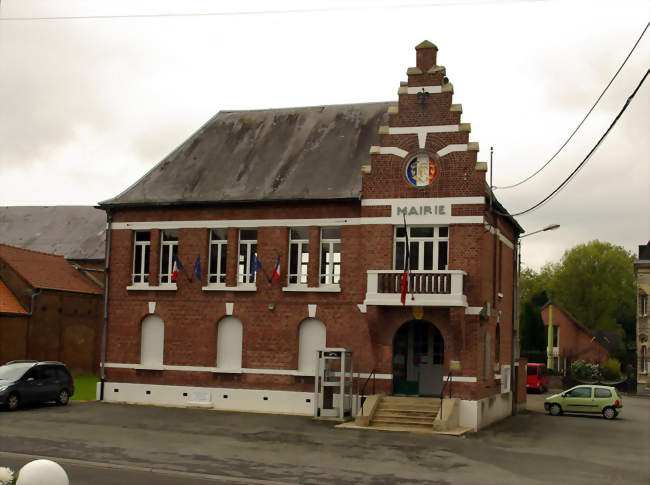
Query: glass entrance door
point(418, 357)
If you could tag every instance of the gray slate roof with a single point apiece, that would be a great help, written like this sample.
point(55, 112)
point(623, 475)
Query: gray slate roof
point(75, 232)
point(266, 155)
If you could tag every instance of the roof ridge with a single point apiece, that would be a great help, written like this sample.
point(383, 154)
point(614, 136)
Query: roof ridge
point(302, 107)
point(32, 251)
point(46, 206)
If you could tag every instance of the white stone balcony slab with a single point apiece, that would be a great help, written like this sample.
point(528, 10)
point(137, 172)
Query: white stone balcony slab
point(425, 288)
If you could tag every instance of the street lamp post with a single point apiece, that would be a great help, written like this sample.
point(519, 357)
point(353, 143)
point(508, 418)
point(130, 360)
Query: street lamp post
point(515, 350)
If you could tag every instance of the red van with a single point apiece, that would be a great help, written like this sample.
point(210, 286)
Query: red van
point(536, 377)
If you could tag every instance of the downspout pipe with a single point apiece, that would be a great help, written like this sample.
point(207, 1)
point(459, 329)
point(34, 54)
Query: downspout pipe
point(516, 265)
point(35, 293)
point(109, 220)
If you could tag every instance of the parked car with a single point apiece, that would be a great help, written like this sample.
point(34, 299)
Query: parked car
point(29, 381)
point(586, 399)
point(536, 377)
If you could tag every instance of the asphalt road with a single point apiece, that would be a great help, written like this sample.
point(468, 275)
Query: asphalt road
point(104, 444)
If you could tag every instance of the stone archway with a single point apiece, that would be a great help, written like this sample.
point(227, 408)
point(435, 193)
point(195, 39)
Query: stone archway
point(418, 359)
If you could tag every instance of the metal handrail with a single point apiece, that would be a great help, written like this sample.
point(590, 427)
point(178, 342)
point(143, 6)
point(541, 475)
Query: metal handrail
point(442, 391)
point(373, 375)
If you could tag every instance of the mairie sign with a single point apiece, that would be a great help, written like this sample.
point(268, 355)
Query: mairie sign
point(421, 210)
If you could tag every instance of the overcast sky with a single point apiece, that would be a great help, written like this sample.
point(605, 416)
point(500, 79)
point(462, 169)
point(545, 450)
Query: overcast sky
point(90, 105)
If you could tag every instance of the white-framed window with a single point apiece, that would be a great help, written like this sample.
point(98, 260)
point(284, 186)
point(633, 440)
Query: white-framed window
point(168, 254)
point(153, 341)
point(644, 306)
point(247, 254)
point(644, 359)
point(312, 337)
point(428, 247)
point(218, 249)
point(298, 255)
point(229, 343)
point(330, 255)
point(142, 243)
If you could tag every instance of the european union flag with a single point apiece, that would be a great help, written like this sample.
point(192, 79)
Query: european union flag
point(197, 267)
point(255, 267)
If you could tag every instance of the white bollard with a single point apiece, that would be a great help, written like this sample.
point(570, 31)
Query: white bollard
point(42, 472)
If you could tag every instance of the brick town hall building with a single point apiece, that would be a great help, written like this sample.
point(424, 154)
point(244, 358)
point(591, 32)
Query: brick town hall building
point(323, 191)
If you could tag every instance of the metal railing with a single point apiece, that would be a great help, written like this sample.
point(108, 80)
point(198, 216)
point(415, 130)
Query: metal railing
point(430, 288)
point(420, 283)
point(372, 375)
point(442, 391)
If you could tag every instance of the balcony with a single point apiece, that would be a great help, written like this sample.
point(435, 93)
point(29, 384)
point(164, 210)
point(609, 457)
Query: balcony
point(426, 288)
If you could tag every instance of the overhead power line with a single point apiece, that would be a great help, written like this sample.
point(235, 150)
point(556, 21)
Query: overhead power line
point(240, 13)
point(583, 119)
point(582, 164)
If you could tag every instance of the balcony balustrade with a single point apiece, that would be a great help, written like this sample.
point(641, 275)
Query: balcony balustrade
point(425, 288)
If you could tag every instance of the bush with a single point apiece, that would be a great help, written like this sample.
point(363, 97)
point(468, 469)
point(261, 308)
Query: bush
point(611, 370)
point(583, 370)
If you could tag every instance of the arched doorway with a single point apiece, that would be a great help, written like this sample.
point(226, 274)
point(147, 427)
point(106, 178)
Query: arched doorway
point(418, 358)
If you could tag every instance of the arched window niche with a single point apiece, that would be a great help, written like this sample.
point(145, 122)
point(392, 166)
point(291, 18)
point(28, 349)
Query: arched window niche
point(312, 337)
point(229, 343)
point(153, 341)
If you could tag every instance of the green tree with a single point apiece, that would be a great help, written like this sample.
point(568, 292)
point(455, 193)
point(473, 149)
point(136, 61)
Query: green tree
point(594, 282)
point(532, 337)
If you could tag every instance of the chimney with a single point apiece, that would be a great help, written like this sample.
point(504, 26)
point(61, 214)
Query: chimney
point(425, 55)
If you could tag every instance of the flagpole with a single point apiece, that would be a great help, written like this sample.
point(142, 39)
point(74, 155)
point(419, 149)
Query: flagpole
point(408, 261)
point(405, 276)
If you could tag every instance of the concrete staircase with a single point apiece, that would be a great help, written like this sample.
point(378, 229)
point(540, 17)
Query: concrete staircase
point(406, 413)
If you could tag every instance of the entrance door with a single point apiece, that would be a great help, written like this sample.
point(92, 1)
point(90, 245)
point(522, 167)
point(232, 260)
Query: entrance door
point(418, 356)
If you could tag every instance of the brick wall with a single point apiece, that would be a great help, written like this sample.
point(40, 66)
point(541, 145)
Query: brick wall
point(65, 326)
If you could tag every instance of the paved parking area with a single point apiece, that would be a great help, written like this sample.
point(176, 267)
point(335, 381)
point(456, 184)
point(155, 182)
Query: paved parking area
point(143, 444)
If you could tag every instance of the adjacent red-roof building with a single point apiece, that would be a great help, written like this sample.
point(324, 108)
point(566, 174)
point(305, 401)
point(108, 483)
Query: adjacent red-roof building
point(47, 271)
point(8, 302)
point(571, 339)
point(49, 310)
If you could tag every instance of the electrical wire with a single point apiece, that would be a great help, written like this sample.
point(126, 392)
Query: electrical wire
point(268, 12)
point(581, 164)
point(583, 119)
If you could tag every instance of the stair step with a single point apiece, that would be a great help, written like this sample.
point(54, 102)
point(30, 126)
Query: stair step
point(402, 422)
point(406, 413)
point(408, 406)
point(429, 416)
point(412, 400)
point(404, 428)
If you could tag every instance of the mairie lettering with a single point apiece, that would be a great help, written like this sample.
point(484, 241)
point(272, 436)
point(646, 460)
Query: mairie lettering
point(422, 210)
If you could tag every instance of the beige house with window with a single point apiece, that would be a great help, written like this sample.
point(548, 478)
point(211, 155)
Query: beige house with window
point(642, 275)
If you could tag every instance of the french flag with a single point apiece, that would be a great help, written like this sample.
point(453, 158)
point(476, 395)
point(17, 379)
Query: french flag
point(177, 266)
point(276, 270)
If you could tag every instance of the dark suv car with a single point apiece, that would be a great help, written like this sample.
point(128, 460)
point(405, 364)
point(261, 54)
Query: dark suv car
point(29, 381)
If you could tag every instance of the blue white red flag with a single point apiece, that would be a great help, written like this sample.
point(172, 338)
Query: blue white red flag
point(176, 268)
point(276, 270)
